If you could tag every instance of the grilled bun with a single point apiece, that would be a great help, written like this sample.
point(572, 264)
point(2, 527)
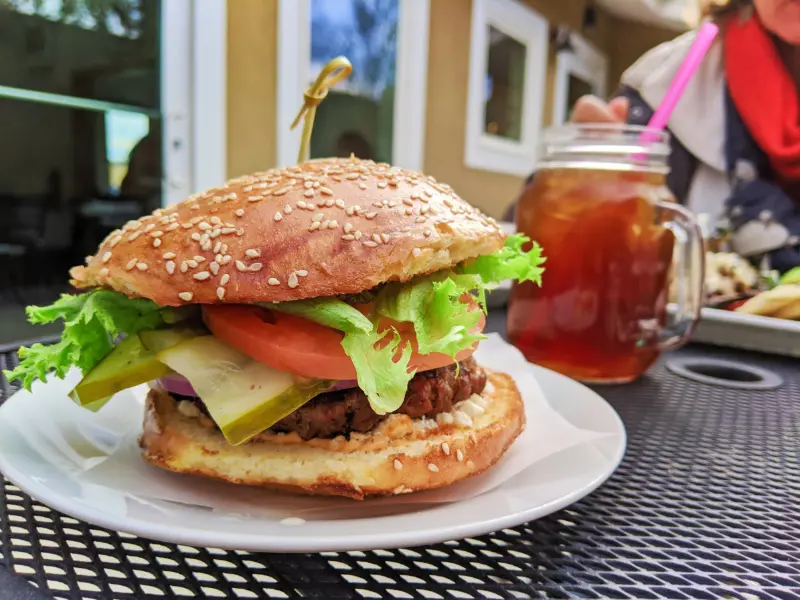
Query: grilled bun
point(322, 228)
point(399, 456)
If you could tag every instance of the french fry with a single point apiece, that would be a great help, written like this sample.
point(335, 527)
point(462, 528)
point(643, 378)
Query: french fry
point(782, 302)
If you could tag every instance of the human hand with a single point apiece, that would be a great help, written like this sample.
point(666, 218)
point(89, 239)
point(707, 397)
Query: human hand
point(591, 109)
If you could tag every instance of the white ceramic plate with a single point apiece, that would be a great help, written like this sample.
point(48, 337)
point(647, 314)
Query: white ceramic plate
point(53, 473)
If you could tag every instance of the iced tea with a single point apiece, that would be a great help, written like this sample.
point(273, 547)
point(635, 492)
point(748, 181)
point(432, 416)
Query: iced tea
point(602, 305)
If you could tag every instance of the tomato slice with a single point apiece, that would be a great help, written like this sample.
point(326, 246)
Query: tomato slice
point(300, 346)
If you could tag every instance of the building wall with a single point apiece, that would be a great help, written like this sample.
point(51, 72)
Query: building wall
point(252, 70)
point(252, 84)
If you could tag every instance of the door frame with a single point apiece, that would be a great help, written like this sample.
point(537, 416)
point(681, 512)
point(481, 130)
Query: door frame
point(294, 58)
point(193, 96)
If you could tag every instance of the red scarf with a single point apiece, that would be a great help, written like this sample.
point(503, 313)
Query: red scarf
point(764, 94)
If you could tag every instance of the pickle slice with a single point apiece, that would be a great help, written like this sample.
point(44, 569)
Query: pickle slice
point(242, 395)
point(129, 364)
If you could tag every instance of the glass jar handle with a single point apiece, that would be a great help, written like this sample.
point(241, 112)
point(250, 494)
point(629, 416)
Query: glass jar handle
point(689, 274)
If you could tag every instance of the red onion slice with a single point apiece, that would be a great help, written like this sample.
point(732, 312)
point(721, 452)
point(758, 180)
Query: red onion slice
point(177, 384)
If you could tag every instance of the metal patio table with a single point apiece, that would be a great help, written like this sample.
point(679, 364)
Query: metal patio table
point(706, 504)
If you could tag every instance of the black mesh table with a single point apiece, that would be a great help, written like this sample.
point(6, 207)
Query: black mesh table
point(706, 504)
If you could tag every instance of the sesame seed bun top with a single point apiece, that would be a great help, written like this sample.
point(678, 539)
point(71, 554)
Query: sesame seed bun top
point(322, 228)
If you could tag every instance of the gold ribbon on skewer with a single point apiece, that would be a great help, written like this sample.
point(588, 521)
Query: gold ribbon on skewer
point(335, 71)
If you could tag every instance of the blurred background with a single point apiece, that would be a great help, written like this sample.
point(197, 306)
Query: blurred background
point(111, 108)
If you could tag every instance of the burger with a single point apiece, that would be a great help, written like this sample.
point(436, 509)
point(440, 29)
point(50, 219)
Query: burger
point(307, 329)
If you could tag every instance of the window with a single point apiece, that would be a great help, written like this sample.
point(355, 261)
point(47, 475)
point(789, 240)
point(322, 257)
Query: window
point(580, 70)
point(367, 114)
point(101, 104)
point(508, 60)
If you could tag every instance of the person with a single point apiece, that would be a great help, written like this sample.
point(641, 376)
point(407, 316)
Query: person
point(735, 131)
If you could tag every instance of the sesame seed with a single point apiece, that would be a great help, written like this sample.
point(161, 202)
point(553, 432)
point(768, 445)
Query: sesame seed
point(225, 260)
point(292, 281)
point(241, 266)
point(446, 449)
point(350, 210)
point(429, 193)
point(340, 203)
point(385, 238)
point(348, 227)
point(409, 211)
point(186, 296)
point(328, 203)
point(214, 233)
point(196, 236)
point(397, 465)
point(280, 192)
point(351, 176)
point(325, 224)
point(184, 266)
point(252, 252)
point(255, 198)
point(156, 242)
point(240, 232)
point(470, 464)
point(301, 204)
point(141, 266)
point(420, 219)
point(319, 217)
point(358, 235)
point(217, 247)
point(214, 267)
point(168, 255)
point(131, 263)
point(349, 238)
point(326, 191)
point(415, 195)
point(157, 234)
point(228, 230)
point(371, 215)
point(193, 262)
point(216, 220)
point(433, 468)
point(103, 272)
point(459, 455)
point(204, 239)
point(225, 279)
point(416, 252)
point(106, 257)
point(278, 216)
point(150, 227)
point(408, 202)
point(239, 212)
point(308, 193)
point(333, 224)
point(376, 238)
point(257, 266)
point(369, 243)
point(220, 292)
point(202, 275)
point(427, 233)
point(170, 266)
point(115, 241)
point(203, 226)
point(273, 281)
point(287, 209)
point(302, 272)
point(247, 188)
point(381, 184)
point(133, 236)
point(315, 225)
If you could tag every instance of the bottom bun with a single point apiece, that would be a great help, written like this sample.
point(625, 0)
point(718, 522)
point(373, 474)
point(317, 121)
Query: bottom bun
point(399, 456)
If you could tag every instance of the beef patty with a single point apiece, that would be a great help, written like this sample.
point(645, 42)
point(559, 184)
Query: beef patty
point(344, 411)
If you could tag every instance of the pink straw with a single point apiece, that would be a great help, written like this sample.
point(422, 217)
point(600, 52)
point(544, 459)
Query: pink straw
point(690, 64)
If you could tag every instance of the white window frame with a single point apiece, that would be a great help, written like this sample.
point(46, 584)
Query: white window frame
point(583, 60)
point(193, 92)
point(490, 152)
point(294, 76)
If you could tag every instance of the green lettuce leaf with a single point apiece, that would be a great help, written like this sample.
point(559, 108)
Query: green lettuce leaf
point(92, 321)
point(330, 312)
point(511, 262)
point(381, 370)
point(381, 376)
point(791, 276)
point(442, 321)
